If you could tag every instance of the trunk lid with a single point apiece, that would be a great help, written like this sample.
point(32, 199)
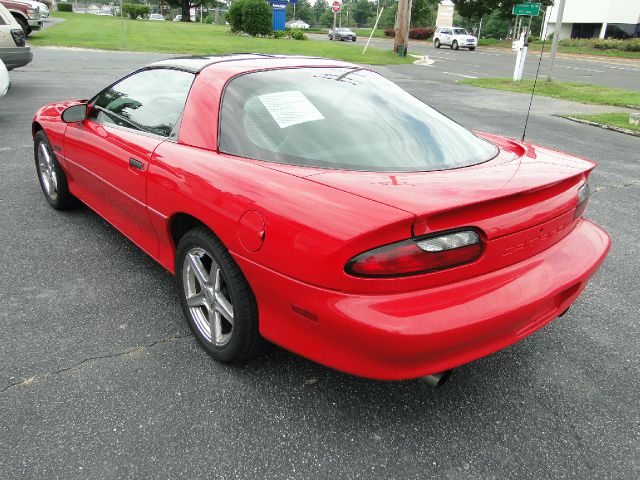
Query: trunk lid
point(523, 186)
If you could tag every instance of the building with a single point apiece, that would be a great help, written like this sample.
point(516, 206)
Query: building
point(297, 24)
point(595, 18)
point(445, 14)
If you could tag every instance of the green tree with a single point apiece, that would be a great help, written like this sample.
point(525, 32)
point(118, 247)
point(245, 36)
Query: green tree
point(319, 7)
point(326, 19)
point(421, 15)
point(303, 11)
point(470, 9)
point(361, 11)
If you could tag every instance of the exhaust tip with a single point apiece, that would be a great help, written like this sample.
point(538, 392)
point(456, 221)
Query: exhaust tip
point(437, 379)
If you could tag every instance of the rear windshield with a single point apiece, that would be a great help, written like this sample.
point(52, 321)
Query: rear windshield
point(341, 118)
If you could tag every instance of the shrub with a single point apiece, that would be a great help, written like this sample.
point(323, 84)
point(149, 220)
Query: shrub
point(250, 16)
point(279, 34)
point(134, 10)
point(234, 16)
point(631, 45)
point(421, 33)
point(297, 34)
point(389, 32)
point(256, 17)
point(65, 7)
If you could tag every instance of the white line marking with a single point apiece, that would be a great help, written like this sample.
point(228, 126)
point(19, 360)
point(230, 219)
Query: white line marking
point(583, 69)
point(460, 75)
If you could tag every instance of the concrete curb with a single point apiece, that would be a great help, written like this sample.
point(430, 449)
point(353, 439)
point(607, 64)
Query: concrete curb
point(601, 125)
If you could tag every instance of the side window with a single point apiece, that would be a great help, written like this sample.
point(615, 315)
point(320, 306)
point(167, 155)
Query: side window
point(150, 101)
point(2, 20)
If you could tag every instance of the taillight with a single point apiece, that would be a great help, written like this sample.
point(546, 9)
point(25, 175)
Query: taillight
point(418, 255)
point(18, 37)
point(583, 198)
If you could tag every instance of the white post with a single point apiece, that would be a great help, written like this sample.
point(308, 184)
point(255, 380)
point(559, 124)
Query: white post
point(603, 30)
point(479, 29)
point(373, 30)
point(333, 31)
point(520, 59)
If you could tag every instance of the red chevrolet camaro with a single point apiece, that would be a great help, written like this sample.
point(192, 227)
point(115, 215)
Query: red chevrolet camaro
point(315, 204)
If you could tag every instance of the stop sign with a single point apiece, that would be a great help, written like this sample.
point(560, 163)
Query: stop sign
point(335, 6)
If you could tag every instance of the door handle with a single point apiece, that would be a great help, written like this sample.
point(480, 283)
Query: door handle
point(135, 163)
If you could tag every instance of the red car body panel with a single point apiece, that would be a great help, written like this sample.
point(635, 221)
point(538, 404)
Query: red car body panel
point(293, 229)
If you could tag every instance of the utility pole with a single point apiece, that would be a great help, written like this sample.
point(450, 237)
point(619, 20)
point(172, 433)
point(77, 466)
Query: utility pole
point(401, 39)
point(556, 38)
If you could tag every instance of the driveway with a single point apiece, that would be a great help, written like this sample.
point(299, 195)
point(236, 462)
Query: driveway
point(100, 377)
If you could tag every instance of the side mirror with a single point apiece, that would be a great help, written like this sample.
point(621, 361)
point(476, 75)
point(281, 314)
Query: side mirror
point(75, 113)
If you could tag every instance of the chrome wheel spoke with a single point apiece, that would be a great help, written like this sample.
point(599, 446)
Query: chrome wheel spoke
point(215, 327)
point(198, 269)
point(53, 180)
point(197, 300)
point(224, 307)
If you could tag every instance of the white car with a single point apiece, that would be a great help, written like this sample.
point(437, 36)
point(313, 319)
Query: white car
point(44, 10)
point(4, 79)
point(14, 51)
point(455, 38)
point(156, 17)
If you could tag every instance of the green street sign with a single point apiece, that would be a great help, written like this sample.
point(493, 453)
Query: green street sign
point(532, 9)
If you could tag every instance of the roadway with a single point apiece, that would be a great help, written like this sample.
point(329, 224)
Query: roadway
point(451, 65)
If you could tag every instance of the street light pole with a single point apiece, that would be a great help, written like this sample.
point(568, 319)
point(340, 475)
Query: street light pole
point(401, 38)
point(556, 39)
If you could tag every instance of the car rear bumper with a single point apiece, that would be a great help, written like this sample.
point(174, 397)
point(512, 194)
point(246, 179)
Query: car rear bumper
point(14, 57)
point(408, 335)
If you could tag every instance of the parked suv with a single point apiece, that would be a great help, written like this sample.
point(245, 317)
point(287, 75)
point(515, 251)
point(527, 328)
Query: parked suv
point(455, 38)
point(14, 52)
point(27, 16)
point(343, 34)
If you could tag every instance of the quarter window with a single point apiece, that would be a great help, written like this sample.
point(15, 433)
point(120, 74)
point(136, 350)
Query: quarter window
point(150, 101)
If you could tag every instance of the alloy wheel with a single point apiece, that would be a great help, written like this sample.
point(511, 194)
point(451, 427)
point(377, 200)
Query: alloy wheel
point(208, 298)
point(47, 171)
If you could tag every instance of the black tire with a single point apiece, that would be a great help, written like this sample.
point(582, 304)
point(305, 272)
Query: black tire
point(454, 45)
point(23, 24)
point(244, 340)
point(57, 193)
point(436, 43)
point(471, 49)
point(353, 39)
point(330, 37)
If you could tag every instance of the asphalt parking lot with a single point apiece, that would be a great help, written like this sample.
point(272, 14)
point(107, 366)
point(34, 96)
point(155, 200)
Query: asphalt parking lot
point(100, 377)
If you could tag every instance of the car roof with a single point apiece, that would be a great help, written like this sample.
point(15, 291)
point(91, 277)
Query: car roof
point(246, 62)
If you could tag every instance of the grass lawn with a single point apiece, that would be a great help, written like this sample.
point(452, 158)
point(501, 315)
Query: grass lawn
point(576, 92)
point(620, 120)
point(93, 31)
point(365, 32)
point(536, 46)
